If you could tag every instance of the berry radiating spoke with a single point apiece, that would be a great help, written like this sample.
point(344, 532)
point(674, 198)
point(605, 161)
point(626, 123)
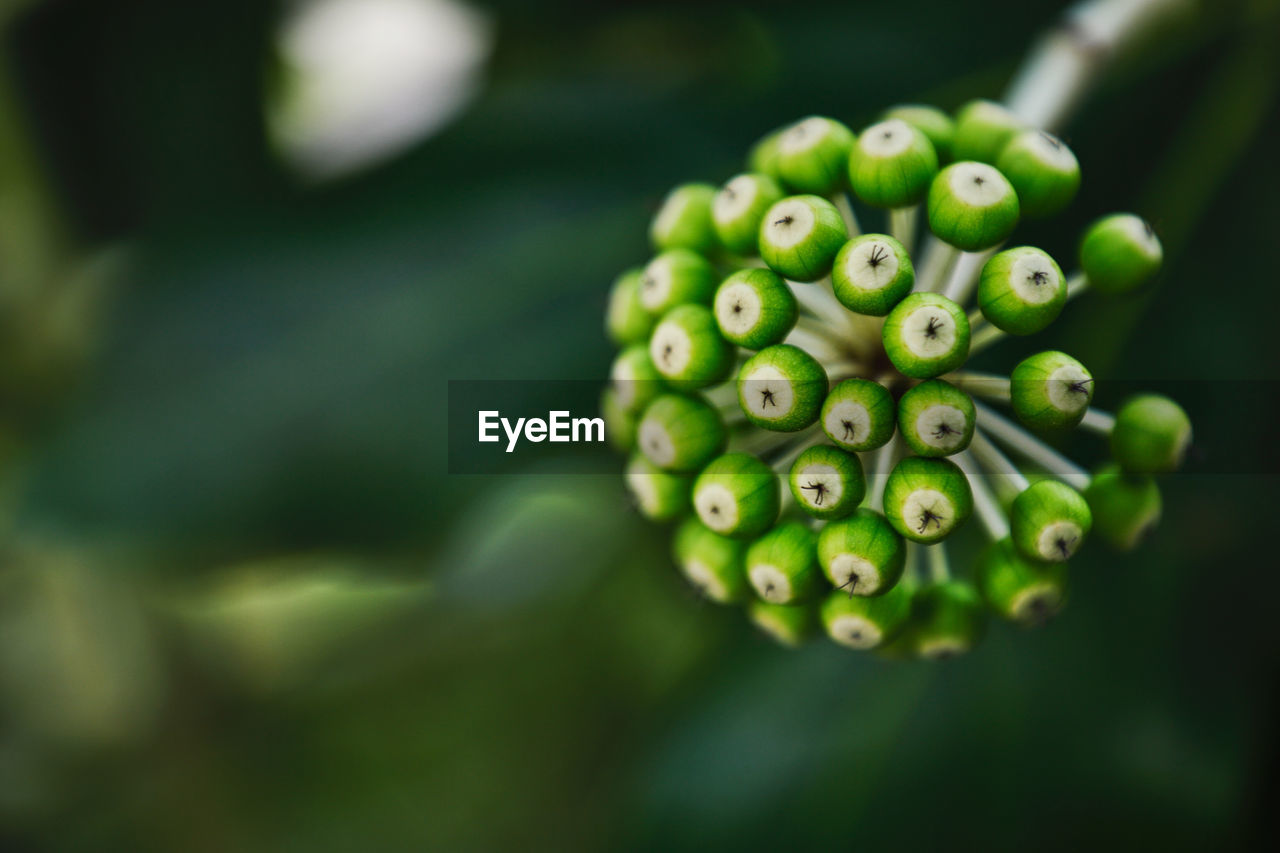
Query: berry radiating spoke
point(983, 129)
point(862, 554)
point(1018, 589)
point(679, 433)
point(936, 418)
point(1050, 391)
point(866, 623)
point(812, 155)
point(926, 335)
point(620, 425)
point(739, 208)
point(674, 278)
point(788, 624)
point(1120, 253)
point(972, 206)
point(712, 563)
point(1043, 171)
point(871, 274)
point(660, 495)
point(827, 482)
point(858, 414)
point(782, 565)
point(800, 235)
point(926, 499)
point(1126, 507)
point(1151, 435)
point(932, 122)
point(737, 495)
point(688, 350)
point(684, 220)
point(1049, 521)
point(1022, 290)
point(782, 388)
point(755, 308)
point(892, 164)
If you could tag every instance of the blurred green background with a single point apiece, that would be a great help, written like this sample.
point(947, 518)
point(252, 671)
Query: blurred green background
point(243, 607)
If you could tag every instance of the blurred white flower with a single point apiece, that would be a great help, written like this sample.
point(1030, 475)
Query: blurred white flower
point(365, 79)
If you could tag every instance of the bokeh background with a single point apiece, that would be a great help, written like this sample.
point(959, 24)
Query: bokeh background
point(243, 247)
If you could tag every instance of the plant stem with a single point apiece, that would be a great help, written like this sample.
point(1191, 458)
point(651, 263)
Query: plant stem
point(964, 278)
point(1098, 421)
point(880, 468)
point(982, 335)
point(984, 502)
point(939, 569)
point(1031, 448)
point(1008, 478)
point(842, 203)
point(1076, 285)
point(902, 225)
point(939, 259)
point(988, 386)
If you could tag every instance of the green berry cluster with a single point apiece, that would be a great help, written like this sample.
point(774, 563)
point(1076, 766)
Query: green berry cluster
point(793, 396)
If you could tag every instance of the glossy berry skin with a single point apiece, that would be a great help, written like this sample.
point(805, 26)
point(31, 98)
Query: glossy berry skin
point(827, 482)
point(679, 433)
point(713, 564)
point(983, 129)
point(936, 419)
point(1050, 391)
point(926, 335)
point(892, 164)
point(782, 565)
point(1049, 521)
point(737, 495)
point(1151, 435)
point(1120, 253)
point(858, 414)
point(926, 499)
point(1021, 590)
point(871, 274)
point(862, 554)
point(859, 622)
point(755, 308)
point(1043, 170)
point(812, 155)
point(1125, 507)
point(684, 220)
point(972, 206)
point(1022, 290)
point(782, 388)
point(738, 209)
point(800, 236)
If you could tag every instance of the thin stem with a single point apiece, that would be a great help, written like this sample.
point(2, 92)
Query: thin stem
point(1076, 285)
point(803, 441)
point(964, 278)
point(1098, 421)
point(939, 567)
point(984, 502)
point(842, 203)
point(819, 300)
point(911, 565)
point(1031, 448)
point(937, 266)
point(902, 225)
point(759, 441)
point(880, 469)
point(1008, 479)
point(988, 386)
point(823, 347)
point(982, 335)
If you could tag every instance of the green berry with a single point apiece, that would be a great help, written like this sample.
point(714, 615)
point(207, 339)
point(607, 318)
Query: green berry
point(713, 564)
point(926, 499)
point(627, 321)
point(858, 414)
point(948, 619)
point(1120, 253)
point(800, 235)
point(676, 277)
point(762, 159)
point(684, 220)
point(926, 335)
point(812, 155)
point(660, 495)
point(1126, 507)
point(862, 554)
point(1151, 435)
point(1043, 170)
point(891, 164)
point(1021, 590)
point(1022, 290)
point(936, 418)
point(635, 380)
point(782, 565)
point(688, 350)
point(679, 433)
point(983, 129)
point(866, 622)
point(972, 206)
point(782, 388)
point(755, 308)
point(1050, 391)
point(827, 482)
point(1049, 521)
point(871, 274)
point(737, 495)
point(930, 121)
point(739, 208)
point(620, 425)
point(789, 624)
